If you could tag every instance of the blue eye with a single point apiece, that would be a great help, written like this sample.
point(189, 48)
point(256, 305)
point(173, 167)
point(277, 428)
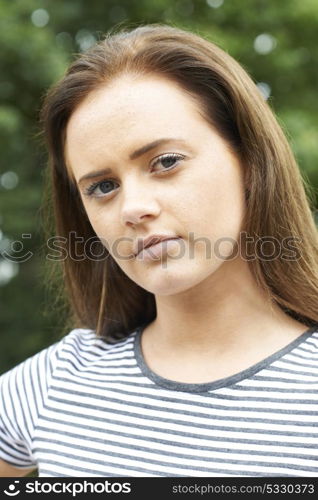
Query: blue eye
point(100, 188)
point(168, 161)
point(103, 188)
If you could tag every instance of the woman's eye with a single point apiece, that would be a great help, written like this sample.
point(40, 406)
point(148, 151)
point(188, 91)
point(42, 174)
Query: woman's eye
point(100, 188)
point(168, 161)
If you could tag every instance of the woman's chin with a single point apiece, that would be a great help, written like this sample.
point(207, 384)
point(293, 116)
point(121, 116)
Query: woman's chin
point(173, 279)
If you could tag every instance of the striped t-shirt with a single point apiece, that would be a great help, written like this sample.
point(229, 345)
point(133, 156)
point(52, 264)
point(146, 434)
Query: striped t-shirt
point(84, 407)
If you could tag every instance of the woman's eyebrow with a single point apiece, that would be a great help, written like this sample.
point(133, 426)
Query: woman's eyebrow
point(136, 154)
point(148, 147)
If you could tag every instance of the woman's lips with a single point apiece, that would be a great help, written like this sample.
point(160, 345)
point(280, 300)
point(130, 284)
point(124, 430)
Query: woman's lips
point(158, 250)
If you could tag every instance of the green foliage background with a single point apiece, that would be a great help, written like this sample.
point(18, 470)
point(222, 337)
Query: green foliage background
point(34, 57)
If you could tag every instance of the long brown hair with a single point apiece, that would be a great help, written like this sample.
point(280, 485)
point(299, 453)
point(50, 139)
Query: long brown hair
point(101, 296)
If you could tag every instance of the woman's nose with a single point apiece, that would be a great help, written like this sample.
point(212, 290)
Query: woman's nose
point(139, 208)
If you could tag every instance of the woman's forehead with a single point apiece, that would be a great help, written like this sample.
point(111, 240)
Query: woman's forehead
point(135, 112)
point(149, 98)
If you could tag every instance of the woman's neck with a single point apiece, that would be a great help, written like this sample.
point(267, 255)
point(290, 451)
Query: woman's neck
point(221, 326)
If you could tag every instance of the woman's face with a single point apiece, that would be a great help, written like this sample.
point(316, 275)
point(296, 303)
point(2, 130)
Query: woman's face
point(146, 162)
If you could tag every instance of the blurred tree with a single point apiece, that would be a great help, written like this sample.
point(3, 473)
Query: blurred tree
point(274, 41)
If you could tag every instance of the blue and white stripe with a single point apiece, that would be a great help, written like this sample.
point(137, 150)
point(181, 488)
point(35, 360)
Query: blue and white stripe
point(83, 407)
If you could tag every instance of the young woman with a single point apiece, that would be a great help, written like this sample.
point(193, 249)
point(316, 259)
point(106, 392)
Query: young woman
point(192, 273)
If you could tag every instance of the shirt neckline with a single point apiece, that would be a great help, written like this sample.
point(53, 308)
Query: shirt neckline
point(216, 384)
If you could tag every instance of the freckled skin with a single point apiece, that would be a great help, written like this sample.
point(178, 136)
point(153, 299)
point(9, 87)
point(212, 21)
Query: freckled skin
point(203, 195)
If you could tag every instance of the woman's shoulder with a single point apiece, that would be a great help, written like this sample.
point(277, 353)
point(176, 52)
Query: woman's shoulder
point(86, 340)
point(84, 344)
point(78, 345)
